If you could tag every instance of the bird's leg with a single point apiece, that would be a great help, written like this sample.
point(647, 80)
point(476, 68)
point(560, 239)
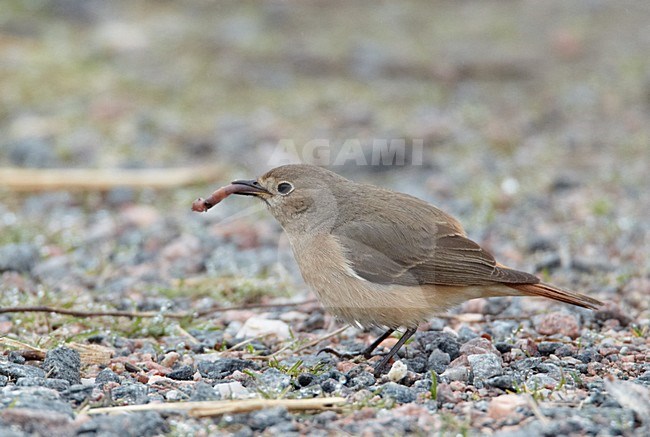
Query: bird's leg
point(367, 352)
point(381, 366)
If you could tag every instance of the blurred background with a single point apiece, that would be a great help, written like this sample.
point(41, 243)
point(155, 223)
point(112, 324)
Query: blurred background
point(534, 119)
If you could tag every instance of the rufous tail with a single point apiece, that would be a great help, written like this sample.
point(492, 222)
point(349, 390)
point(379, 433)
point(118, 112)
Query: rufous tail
point(552, 292)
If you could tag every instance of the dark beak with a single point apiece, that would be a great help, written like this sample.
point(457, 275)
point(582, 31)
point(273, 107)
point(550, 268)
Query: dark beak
point(248, 188)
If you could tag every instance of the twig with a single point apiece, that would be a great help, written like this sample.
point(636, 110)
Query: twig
point(214, 408)
point(30, 179)
point(144, 314)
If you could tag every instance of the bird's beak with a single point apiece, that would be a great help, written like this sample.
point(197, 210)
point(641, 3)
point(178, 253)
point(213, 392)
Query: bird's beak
point(247, 188)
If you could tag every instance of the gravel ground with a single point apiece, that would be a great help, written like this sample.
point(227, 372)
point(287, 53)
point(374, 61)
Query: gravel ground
point(535, 122)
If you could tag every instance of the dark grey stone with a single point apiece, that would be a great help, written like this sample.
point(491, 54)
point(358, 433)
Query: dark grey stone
point(329, 385)
point(304, 379)
point(438, 361)
point(417, 364)
point(63, 363)
point(262, 419)
point(465, 334)
point(400, 393)
point(78, 393)
point(504, 382)
point(53, 383)
point(20, 257)
point(106, 375)
point(503, 347)
point(132, 394)
point(16, 371)
point(223, 367)
point(32, 152)
point(138, 424)
point(444, 341)
point(16, 357)
point(548, 347)
point(204, 392)
point(362, 380)
point(34, 398)
point(183, 373)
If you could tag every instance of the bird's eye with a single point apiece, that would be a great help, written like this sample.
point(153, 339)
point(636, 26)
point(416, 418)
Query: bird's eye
point(285, 188)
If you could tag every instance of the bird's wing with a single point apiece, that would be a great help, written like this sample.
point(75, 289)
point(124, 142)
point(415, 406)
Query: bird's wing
point(389, 252)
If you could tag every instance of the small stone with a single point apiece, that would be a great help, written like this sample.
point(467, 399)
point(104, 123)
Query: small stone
point(262, 419)
point(400, 393)
point(548, 347)
point(53, 383)
point(329, 385)
point(131, 394)
point(105, 376)
point(504, 382)
point(231, 390)
point(274, 380)
point(182, 373)
point(258, 326)
point(63, 363)
point(444, 341)
point(503, 347)
point(397, 371)
point(478, 345)
point(18, 257)
point(147, 423)
point(540, 380)
point(504, 406)
point(438, 361)
point(459, 373)
point(223, 367)
point(16, 371)
point(484, 366)
point(363, 379)
point(559, 323)
point(203, 392)
point(304, 379)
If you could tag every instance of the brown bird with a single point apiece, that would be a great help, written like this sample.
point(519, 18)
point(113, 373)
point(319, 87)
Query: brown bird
point(375, 257)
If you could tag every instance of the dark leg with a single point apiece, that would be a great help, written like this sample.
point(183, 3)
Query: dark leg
point(381, 366)
point(367, 352)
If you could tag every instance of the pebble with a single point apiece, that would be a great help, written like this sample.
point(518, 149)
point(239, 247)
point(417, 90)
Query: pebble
point(15, 371)
point(53, 383)
point(400, 393)
point(147, 423)
point(231, 390)
point(558, 323)
point(478, 345)
point(438, 361)
point(258, 326)
point(182, 373)
point(106, 376)
point(484, 366)
point(223, 367)
point(459, 373)
point(397, 371)
point(273, 380)
point(504, 406)
point(63, 363)
point(131, 394)
point(20, 257)
point(262, 419)
point(444, 341)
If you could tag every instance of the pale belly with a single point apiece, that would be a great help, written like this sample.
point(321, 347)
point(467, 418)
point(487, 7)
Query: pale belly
point(358, 301)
